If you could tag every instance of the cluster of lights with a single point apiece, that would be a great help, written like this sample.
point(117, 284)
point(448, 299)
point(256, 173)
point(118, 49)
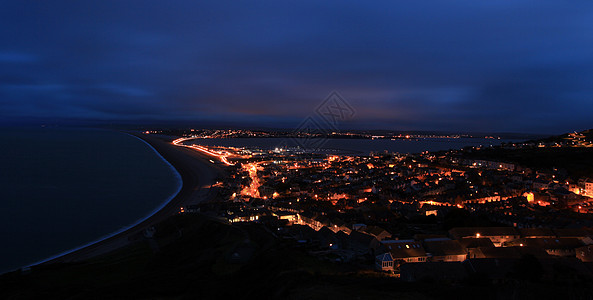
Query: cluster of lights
point(220, 155)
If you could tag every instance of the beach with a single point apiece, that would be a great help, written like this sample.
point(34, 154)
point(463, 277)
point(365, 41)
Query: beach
point(197, 174)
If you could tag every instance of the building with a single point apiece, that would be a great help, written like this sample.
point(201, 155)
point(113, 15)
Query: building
point(515, 252)
point(444, 250)
point(384, 262)
point(471, 245)
point(363, 243)
point(536, 233)
point(498, 235)
point(378, 232)
point(290, 217)
point(579, 233)
point(540, 184)
point(406, 251)
point(553, 246)
point(433, 271)
point(585, 253)
point(586, 186)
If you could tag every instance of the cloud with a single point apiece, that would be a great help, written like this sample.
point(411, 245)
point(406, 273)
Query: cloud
point(457, 65)
point(14, 57)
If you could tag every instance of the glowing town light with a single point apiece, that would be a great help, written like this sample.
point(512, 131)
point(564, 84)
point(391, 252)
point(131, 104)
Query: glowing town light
point(219, 155)
point(530, 196)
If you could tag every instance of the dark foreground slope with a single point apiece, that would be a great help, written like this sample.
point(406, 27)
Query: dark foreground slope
point(196, 257)
point(192, 256)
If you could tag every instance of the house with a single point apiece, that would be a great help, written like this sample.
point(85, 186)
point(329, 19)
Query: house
point(444, 250)
point(363, 243)
point(536, 233)
point(384, 262)
point(358, 226)
point(479, 163)
point(343, 240)
point(540, 184)
point(579, 233)
point(471, 244)
point(339, 225)
point(433, 271)
point(314, 221)
point(302, 233)
point(496, 252)
point(554, 246)
point(509, 252)
point(586, 186)
point(585, 253)
point(481, 199)
point(327, 238)
point(564, 196)
point(498, 235)
point(322, 220)
point(377, 232)
point(309, 219)
point(290, 217)
point(406, 251)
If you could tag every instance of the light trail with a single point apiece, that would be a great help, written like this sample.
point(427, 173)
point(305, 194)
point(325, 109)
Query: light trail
point(218, 154)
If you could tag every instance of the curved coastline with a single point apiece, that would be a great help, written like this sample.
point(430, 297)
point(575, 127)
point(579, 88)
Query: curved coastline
point(194, 170)
point(179, 182)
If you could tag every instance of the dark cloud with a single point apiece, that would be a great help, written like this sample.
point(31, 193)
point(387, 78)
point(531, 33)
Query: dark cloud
point(453, 65)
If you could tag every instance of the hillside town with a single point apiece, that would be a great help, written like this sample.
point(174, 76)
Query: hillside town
point(427, 215)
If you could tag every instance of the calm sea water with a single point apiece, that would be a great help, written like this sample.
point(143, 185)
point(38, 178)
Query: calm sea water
point(356, 146)
point(63, 188)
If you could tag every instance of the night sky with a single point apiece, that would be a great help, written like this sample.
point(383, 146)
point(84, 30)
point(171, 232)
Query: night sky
point(502, 66)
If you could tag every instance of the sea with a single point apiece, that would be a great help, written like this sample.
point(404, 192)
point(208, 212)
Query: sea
point(63, 188)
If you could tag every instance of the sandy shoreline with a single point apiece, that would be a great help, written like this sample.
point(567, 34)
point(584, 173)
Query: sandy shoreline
point(196, 172)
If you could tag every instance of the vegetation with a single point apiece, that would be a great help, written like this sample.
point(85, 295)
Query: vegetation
point(575, 161)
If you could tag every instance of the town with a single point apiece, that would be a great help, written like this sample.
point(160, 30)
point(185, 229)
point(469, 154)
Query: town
point(319, 133)
point(443, 216)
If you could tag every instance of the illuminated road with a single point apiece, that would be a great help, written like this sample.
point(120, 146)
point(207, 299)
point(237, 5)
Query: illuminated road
point(253, 189)
point(219, 155)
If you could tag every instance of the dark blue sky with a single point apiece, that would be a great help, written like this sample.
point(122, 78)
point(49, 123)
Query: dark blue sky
point(522, 66)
